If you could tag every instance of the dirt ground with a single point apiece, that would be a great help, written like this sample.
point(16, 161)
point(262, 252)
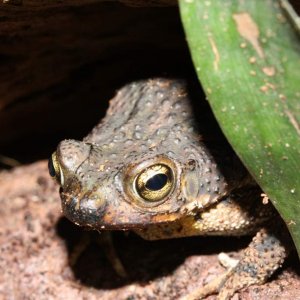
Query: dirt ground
point(37, 241)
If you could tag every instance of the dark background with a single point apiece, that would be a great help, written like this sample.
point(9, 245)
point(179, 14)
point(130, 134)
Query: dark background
point(61, 61)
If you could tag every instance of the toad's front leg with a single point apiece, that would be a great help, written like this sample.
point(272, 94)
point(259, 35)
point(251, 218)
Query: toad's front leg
point(258, 262)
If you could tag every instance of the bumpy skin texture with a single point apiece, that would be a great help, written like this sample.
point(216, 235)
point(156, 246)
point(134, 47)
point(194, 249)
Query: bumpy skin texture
point(155, 123)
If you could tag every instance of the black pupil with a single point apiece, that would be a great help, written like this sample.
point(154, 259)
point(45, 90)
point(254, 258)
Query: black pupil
point(51, 168)
point(156, 182)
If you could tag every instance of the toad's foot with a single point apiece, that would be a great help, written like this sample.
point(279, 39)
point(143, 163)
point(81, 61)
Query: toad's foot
point(258, 262)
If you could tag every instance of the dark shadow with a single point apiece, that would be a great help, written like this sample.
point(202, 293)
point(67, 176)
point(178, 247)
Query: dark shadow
point(143, 260)
point(292, 263)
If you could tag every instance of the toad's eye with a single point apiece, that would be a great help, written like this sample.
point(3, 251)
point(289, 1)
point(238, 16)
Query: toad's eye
point(54, 169)
point(155, 182)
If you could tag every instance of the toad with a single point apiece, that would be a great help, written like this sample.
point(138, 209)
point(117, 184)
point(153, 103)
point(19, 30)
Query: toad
point(157, 166)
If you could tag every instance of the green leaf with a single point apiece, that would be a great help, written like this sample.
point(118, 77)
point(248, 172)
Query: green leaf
point(247, 57)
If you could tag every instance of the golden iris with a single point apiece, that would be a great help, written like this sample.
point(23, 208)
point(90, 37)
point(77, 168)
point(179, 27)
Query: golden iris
point(155, 182)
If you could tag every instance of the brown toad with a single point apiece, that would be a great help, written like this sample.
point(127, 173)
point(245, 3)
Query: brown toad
point(151, 166)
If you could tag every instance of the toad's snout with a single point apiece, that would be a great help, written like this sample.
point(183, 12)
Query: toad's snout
point(84, 209)
point(81, 202)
